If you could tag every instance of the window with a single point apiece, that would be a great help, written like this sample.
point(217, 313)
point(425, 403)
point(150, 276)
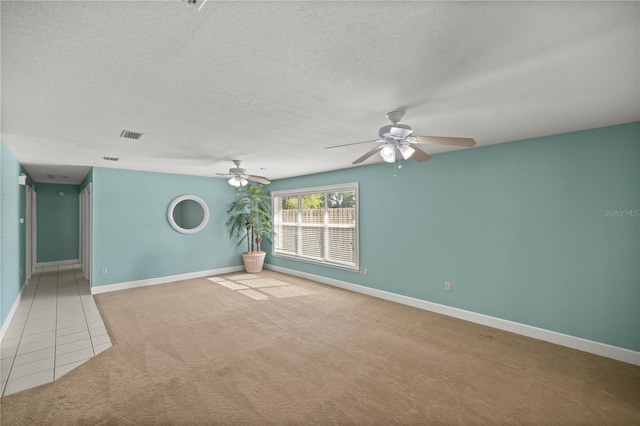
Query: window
point(318, 225)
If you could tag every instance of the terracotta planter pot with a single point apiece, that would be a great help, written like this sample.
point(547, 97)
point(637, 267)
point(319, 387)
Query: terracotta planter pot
point(253, 261)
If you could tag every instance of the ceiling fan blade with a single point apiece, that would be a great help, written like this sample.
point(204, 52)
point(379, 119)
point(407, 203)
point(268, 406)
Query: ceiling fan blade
point(353, 143)
point(260, 179)
point(420, 156)
point(368, 154)
point(440, 140)
point(223, 174)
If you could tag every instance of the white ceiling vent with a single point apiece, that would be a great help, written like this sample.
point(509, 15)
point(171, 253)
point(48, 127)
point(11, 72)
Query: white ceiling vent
point(128, 134)
point(57, 177)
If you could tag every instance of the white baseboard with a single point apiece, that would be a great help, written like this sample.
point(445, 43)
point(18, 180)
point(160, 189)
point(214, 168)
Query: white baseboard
point(163, 280)
point(12, 311)
point(57, 263)
point(602, 349)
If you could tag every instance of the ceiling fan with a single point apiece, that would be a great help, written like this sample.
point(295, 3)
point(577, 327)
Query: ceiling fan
point(397, 141)
point(240, 178)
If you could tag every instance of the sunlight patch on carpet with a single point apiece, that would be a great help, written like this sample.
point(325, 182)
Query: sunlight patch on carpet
point(263, 282)
point(254, 294)
point(242, 277)
point(232, 285)
point(249, 284)
point(216, 279)
point(288, 291)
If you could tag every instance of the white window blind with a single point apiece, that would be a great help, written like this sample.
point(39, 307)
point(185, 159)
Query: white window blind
point(318, 225)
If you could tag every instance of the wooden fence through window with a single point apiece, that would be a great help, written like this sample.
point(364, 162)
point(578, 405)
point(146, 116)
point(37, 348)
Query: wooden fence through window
point(336, 216)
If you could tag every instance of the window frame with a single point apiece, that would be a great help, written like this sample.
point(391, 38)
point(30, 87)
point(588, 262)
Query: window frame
point(298, 192)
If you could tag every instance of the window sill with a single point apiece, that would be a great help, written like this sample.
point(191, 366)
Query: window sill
point(352, 268)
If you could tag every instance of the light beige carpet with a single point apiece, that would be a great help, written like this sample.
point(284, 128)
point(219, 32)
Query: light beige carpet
point(196, 352)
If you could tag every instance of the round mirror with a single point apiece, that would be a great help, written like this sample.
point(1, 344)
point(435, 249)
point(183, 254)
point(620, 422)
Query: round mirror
point(188, 214)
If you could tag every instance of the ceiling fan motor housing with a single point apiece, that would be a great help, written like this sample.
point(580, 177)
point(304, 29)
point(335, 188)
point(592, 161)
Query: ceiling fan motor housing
point(395, 131)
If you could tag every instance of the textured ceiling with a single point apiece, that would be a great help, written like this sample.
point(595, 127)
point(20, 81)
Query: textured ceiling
point(273, 83)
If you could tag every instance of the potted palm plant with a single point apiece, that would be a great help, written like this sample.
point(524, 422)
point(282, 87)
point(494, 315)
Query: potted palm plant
point(249, 217)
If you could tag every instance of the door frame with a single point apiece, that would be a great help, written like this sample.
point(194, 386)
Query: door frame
point(29, 232)
point(85, 231)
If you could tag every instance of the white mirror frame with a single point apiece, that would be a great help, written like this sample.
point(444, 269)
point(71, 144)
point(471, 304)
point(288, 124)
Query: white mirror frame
point(177, 227)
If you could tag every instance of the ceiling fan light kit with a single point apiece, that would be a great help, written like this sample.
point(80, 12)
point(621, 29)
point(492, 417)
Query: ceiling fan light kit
point(398, 139)
point(406, 151)
point(388, 153)
point(238, 181)
point(239, 178)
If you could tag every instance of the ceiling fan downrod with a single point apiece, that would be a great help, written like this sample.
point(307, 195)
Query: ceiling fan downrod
point(395, 116)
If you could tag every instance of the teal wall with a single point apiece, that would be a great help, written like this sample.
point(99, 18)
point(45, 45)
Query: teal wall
point(12, 232)
point(132, 237)
point(58, 223)
point(541, 232)
point(528, 231)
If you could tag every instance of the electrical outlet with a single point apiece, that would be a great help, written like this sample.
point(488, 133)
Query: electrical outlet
point(447, 286)
point(365, 271)
point(104, 269)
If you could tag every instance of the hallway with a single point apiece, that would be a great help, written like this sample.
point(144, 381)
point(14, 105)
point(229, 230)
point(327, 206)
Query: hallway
point(56, 327)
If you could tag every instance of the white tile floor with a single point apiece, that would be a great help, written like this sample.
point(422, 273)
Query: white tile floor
point(56, 327)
